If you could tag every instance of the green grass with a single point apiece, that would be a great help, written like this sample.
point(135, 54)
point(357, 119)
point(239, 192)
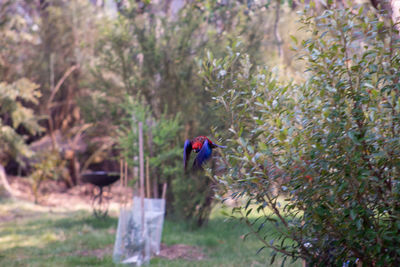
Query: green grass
point(37, 237)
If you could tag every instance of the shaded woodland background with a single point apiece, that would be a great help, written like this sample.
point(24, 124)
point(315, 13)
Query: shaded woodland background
point(77, 76)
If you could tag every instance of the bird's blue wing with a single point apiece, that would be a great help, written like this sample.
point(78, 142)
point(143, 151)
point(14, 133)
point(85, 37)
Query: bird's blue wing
point(220, 146)
point(187, 148)
point(203, 155)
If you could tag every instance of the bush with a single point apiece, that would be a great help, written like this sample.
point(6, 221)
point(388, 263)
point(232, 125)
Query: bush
point(189, 196)
point(193, 196)
point(49, 166)
point(331, 144)
point(16, 119)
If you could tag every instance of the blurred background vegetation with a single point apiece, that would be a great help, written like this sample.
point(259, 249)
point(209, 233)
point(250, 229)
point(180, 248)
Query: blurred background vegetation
point(80, 75)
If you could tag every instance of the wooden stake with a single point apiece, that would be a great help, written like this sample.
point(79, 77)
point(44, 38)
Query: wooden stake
point(121, 179)
point(126, 181)
point(155, 187)
point(126, 174)
point(148, 178)
point(164, 191)
point(141, 165)
point(121, 173)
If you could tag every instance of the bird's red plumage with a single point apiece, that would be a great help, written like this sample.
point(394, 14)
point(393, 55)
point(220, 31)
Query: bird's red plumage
point(202, 146)
point(197, 142)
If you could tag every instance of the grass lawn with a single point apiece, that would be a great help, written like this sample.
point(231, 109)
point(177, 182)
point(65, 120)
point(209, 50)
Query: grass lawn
point(31, 235)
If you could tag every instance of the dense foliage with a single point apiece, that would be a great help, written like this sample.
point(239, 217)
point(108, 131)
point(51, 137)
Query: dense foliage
point(319, 159)
point(161, 143)
point(147, 58)
point(18, 95)
point(14, 115)
point(148, 61)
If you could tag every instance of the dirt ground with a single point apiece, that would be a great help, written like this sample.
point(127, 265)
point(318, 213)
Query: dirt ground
point(173, 252)
point(55, 196)
point(181, 251)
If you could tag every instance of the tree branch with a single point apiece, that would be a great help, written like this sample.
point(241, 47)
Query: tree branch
point(53, 94)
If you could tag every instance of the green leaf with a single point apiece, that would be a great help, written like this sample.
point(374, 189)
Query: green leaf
point(259, 250)
point(273, 256)
point(353, 137)
point(353, 215)
point(294, 39)
point(248, 212)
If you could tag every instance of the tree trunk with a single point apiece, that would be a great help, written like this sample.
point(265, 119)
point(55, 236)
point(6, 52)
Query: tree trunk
point(395, 5)
point(9, 192)
point(392, 7)
point(278, 38)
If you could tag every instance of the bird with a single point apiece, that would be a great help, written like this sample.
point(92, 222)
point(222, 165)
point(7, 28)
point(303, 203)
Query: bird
point(202, 146)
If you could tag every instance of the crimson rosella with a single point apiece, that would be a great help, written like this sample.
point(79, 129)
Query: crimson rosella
point(202, 146)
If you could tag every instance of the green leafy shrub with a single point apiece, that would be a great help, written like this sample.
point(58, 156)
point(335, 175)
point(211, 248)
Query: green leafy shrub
point(193, 196)
point(50, 166)
point(331, 145)
point(14, 115)
point(189, 196)
point(160, 139)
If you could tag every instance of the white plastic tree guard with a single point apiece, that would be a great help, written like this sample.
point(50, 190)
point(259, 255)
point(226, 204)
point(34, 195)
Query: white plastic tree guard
point(136, 242)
